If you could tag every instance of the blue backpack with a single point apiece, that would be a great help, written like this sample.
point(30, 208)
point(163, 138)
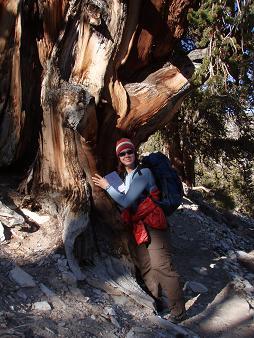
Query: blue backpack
point(167, 181)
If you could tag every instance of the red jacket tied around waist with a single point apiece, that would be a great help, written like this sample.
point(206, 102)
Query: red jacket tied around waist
point(147, 213)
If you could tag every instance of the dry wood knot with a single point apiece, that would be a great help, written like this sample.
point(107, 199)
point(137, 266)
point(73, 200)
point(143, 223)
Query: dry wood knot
point(94, 14)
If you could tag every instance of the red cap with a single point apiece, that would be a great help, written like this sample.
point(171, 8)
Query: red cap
point(124, 144)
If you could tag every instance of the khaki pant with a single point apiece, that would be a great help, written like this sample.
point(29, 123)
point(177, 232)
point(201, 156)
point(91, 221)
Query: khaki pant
point(156, 268)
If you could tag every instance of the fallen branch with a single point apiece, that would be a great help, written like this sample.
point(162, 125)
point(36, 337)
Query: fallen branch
point(201, 188)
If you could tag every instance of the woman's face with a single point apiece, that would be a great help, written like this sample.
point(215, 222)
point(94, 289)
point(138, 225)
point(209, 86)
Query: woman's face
point(127, 158)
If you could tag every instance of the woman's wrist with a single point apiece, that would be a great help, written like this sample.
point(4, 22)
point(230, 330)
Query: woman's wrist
point(107, 187)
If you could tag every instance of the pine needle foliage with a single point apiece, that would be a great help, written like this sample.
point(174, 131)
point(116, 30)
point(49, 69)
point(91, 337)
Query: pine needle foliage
point(215, 126)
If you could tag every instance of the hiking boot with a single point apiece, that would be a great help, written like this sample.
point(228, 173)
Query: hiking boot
point(174, 318)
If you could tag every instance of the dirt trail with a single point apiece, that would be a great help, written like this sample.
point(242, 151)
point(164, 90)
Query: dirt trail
point(219, 291)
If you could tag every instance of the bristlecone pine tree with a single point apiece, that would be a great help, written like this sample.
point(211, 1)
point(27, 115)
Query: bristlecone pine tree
point(75, 76)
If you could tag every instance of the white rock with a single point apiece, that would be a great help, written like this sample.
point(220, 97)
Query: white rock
point(109, 311)
point(197, 287)
point(2, 237)
point(9, 217)
point(21, 277)
point(41, 306)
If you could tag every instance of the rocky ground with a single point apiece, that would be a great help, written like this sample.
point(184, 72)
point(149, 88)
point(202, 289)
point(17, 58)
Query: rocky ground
point(40, 297)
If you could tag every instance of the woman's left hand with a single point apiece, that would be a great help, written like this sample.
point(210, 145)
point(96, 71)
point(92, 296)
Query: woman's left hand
point(100, 181)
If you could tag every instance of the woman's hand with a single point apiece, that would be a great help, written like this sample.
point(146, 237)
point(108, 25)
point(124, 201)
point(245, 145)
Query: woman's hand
point(100, 181)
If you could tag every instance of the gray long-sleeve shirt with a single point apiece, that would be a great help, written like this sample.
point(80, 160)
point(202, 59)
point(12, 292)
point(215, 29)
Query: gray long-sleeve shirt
point(134, 186)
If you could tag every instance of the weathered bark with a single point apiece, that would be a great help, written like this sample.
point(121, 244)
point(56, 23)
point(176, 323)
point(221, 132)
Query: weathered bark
point(11, 110)
point(92, 71)
point(20, 73)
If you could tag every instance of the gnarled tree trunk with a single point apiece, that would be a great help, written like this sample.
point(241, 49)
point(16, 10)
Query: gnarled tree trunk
point(75, 76)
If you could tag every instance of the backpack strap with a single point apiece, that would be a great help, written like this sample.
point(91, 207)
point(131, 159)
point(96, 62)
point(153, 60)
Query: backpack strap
point(137, 170)
point(145, 192)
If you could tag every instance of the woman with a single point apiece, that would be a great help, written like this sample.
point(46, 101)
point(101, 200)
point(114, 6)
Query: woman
point(151, 250)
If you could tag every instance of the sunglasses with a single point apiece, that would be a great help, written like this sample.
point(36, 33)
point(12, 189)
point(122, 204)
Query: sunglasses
point(127, 152)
